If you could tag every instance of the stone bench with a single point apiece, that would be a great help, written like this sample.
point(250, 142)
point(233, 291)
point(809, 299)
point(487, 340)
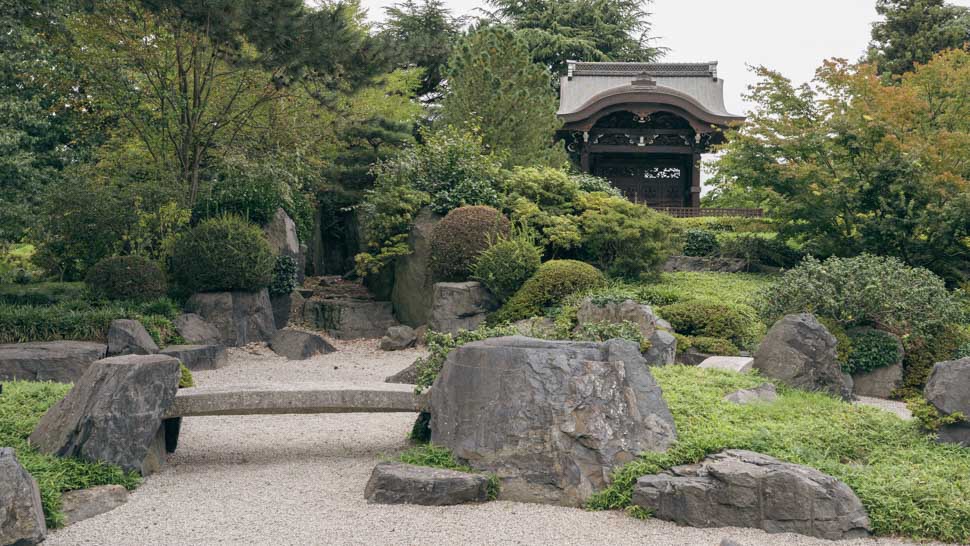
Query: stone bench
point(297, 398)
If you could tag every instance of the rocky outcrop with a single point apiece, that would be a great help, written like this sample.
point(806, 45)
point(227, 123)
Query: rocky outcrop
point(348, 318)
point(113, 413)
point(618, 312)
point(129, 337)
point(21, 511)
point(239, 317)
point(84, 504)
point(552, 419)
point(948, 389)
point(199, 357)
point(737, 364)
point(299, 345)
point(747, 489)
point(58, 361)
point(413, 287)
point(459, 306)
point(765, 392)
point(398, 338)
point(701, 263)
point(663, 349)
point(398, 483)
point(283, 239)
point(196, 331)
point(800, 352)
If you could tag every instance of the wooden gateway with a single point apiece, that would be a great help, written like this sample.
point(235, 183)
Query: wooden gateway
point(644, 126)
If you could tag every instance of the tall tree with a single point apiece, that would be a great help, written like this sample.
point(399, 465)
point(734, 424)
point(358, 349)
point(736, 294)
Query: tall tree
point(912, 31)
point(422, 34)
point(493, 82)
point(581, 30)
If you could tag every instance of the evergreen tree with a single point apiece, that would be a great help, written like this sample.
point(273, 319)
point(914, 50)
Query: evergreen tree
point(581, 30)
point(912, 31)
point(422, 34)
point(492, 82)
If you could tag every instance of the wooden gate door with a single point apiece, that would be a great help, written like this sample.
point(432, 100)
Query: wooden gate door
point(658, 181)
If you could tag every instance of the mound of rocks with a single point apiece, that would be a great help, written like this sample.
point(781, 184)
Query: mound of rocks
point(800, 352)
point(745, 489)
point(398, 483)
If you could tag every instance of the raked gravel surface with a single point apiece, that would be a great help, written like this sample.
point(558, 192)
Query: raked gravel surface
point(299, 479)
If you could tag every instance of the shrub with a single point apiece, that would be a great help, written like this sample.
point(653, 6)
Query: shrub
point(80, 320)
point(224, 253)
point(843, 344)
point(962, 352)
point(552, 190)
point(759, 249)
point(624, 239)
point(460, 237)
point(735, 322)
point(506, 264)
point(921, 353)
point(553, 281)
point(439, 345)
point(605, 331)
point(186, 380)
point(126, 278)
point(589, 183)
point(713, 346)
point(871, 349)
point(700, 242)
point(284, 276)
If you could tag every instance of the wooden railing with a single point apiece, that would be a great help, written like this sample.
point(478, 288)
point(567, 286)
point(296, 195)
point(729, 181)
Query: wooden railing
point(690, 212)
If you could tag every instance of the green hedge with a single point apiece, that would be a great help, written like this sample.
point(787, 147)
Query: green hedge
point(126, 278)
point(78, 320)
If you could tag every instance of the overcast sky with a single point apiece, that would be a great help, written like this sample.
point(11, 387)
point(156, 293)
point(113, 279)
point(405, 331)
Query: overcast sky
point(792, 37)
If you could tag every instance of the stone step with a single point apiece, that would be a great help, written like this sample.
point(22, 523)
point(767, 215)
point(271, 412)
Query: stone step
point(297, 398)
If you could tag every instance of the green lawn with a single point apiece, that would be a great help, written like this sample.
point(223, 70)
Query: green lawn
point(21, 405)
point(722, 287)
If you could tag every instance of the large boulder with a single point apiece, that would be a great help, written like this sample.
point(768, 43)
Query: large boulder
point(350, 318)
point(746, 489)
point(287, 308)
point(617, 312)
point(398, 338)
point(459, 306)
point(299, 345)
point(283, 239)
point(21, 511)
point(83, 504)
point(239, 317)
point(552, 419)
point(113, 413)
point(800, 352)
point(413, 287)
point(398, 483)
point(199, 357)
point(948, 389)
point(58, 361)
point(196, 331)
point(129, 337)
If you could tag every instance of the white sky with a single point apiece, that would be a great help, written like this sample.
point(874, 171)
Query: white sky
point(791, 37)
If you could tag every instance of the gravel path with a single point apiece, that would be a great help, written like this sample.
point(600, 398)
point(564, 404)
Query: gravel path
point(299, 479)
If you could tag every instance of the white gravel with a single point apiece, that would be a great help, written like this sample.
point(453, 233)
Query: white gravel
point(299, 479)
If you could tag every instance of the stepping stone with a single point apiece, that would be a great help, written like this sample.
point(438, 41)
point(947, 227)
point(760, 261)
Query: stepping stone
point(399, 483)
point(58, 361)
point(82, 504)
point(199, 357)
point(739, 364)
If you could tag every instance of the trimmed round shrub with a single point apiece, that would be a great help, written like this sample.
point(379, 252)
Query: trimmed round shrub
point(872, 349)
point(222, 254)
point(700, 242)
point(554, 280)
point(738, 324)
point(126, 278)
point(714, 346)
point(505, 266)
point(460, 237)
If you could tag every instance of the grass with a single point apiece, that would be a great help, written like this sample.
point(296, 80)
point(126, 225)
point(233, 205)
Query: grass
point(440, 457)
point(21, 405)
point(910, 485)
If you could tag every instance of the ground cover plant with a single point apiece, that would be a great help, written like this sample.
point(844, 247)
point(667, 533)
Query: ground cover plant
point(22, 404)
point(909, 484)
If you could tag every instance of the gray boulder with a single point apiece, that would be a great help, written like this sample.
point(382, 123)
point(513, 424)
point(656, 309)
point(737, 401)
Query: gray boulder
point(398, 483)
point(878, 383)
point(663, 349)
point(737, 364)
point(766, 392)
point(129, 337)
point(800, 352)
point(83, 504)
point(350, 318)
point(299, 345)
point(948, 389)
point(283, 239)
point(538, 327)
point(552, 419)
point(398, 338)
point(413, 286)
point(113, 413)
point(58, 361)
point(198, 357)
point(21, 511)
point(616, 313)
point(239, 317)
point(196, 331)
point(746, 489)
point(287, 308)
point(459, 306)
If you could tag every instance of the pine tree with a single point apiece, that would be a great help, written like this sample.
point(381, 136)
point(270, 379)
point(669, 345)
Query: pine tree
point(422, 34)
point(912, 31)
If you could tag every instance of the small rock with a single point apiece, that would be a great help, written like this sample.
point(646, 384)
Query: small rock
point(765, 392)
point(663, 349)
point(739, 364)
point(21, 511)
point(398, 338)
point(198, 357)
point(129, 337)
point(800, 352)
point(196, 331)
point(729, 542)
point(299, 345)
point(82, 504)
point(398, 483)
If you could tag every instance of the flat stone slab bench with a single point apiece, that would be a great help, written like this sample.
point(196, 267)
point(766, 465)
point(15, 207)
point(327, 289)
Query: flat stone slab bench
point(297, 398)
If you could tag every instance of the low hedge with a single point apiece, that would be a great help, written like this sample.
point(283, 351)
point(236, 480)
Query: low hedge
point(78, 320)
point(45, 293)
